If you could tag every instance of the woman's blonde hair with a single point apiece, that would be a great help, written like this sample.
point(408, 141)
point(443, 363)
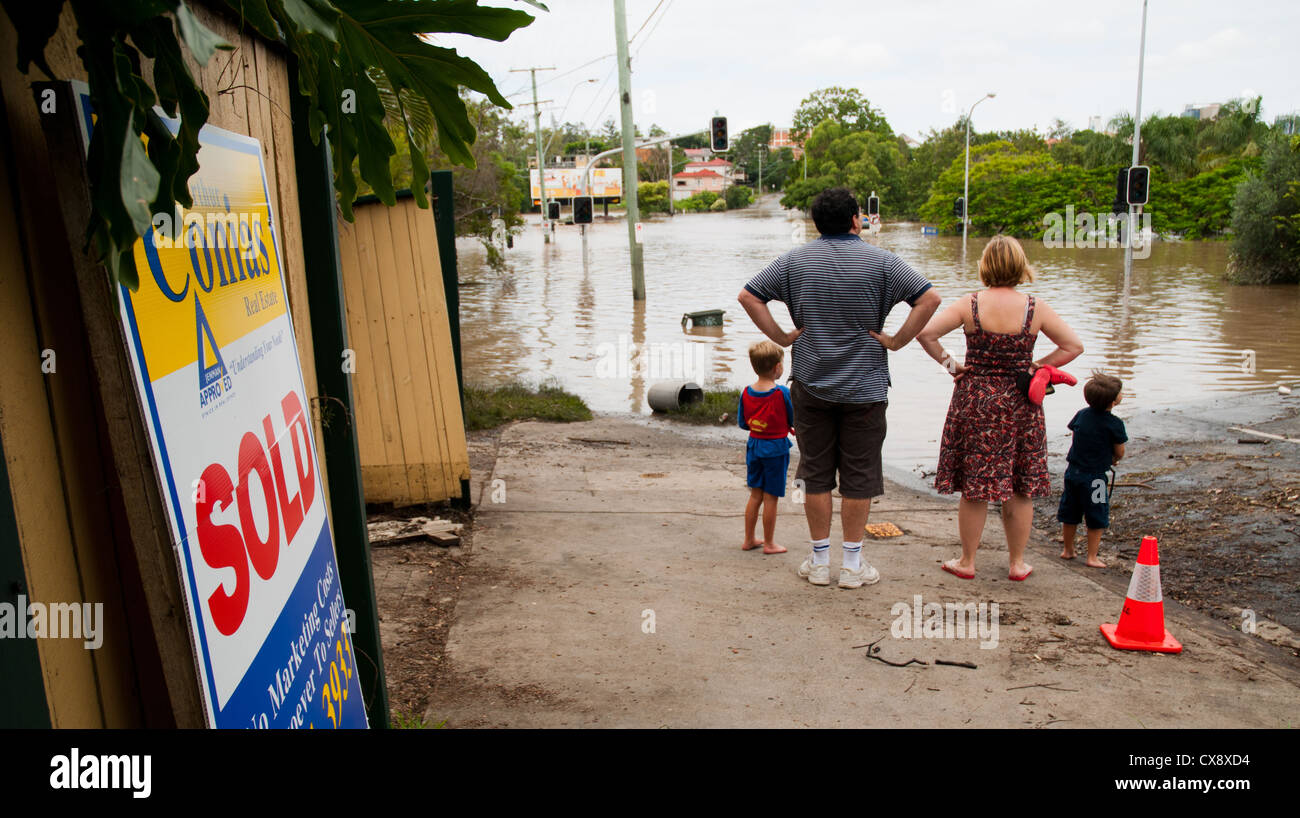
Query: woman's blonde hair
point(1003, 263)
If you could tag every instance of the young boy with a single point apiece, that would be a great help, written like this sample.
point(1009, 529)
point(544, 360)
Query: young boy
point(766, 411)
point(1099, 439)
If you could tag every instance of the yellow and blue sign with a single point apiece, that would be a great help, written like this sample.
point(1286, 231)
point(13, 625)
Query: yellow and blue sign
point(217, 370)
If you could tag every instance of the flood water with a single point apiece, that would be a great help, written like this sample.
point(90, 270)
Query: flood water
point(1180, 339)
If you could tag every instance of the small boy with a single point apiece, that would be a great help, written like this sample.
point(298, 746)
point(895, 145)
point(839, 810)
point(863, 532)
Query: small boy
point(1099, 439)
point(766, 411)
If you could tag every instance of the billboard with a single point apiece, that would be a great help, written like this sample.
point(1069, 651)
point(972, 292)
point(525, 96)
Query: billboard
point(217, 372)
point(565, 183)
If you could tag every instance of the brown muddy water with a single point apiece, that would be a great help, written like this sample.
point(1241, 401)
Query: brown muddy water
point(1182, 338)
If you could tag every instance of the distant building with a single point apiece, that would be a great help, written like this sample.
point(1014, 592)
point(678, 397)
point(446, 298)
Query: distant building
point(1207, 111)
point(1094, 123)
point(781, 138)
point(698, 154)
point(1288, 123)
point(909, 141)
point(721, 167)
point(687, 183)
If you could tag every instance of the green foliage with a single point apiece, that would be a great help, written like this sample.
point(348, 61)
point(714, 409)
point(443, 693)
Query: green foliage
point(652, 197)
point(366, 48)
point(843, 106)
point(1266, 218)
point(862, 161)
point(738, 196)
point(1012, 191)
point(489, 407)
point(719, 205)
point(699, 202)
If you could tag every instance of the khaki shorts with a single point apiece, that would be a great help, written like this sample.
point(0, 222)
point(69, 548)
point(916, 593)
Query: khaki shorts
point(843, 437)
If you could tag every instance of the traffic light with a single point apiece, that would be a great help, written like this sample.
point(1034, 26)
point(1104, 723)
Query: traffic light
point(1120, 205)
point(583, 209)
point(718, 135)
point(959, 207)
point(1139, 185)
point(873, 205)
point(553, 211)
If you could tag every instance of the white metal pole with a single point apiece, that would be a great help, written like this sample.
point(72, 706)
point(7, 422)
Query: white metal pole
point(1137, 141)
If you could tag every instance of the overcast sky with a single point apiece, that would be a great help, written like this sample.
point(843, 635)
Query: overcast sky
point(921, 62)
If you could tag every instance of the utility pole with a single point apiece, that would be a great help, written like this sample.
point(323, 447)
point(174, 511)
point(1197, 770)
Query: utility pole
point(537, 136)
point(629, 148)
point(760, 171)
point(1137, 141)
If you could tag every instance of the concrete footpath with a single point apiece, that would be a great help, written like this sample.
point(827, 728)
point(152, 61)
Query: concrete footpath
point(611, 591)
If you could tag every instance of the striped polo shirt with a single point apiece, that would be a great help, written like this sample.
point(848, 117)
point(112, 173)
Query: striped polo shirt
point(837, 288)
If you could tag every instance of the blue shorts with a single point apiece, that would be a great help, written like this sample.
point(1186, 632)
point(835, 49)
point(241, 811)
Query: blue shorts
point(767, 473)
point(1079, 501)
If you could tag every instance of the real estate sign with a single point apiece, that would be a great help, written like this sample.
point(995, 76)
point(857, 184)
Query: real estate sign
point(217, 372)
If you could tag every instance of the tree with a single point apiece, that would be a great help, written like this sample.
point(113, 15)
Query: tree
point(1266, 218)
point(862, 161)
point(845, 106)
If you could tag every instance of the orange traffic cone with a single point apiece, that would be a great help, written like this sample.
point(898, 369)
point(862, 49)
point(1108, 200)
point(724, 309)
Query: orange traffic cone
point(1142, 622)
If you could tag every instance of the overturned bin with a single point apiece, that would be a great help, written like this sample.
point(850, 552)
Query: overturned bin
point(667, 395)
point(703, 318)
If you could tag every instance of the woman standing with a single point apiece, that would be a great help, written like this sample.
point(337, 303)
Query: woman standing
point(994, 446)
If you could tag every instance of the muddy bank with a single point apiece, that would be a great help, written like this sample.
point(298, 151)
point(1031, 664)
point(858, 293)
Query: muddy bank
point(1226, 513)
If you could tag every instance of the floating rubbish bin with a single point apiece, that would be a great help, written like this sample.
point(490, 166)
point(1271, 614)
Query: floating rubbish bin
point(667, 395)
point(703, 318)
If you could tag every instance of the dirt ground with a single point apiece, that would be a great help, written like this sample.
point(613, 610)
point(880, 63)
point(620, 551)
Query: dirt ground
point(519, 636)
point(1227, 517)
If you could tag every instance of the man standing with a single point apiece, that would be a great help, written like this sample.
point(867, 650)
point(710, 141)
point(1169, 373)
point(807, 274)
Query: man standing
point(839, 289)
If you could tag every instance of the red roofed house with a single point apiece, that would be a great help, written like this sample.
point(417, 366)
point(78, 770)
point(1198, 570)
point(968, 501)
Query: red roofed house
point(715, 175)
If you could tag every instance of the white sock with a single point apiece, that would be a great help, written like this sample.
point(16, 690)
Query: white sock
point(821, 552)
point(853, 555)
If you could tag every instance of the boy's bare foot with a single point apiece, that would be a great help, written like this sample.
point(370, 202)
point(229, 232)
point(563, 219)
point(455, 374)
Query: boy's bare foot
point(1067, 554)
point(750, 546)
point(773, 549)
point(1094, 562)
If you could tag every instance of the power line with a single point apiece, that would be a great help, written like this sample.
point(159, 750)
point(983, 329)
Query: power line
point(654, 28)
point(643, 25)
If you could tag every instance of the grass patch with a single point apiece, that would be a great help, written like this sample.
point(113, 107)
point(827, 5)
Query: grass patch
point(709, 411)
point(487, 407)
point(406, 721)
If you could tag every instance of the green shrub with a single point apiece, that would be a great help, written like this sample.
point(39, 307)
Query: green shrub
point(652, 197)
point(739, 196)
point(1266, 219)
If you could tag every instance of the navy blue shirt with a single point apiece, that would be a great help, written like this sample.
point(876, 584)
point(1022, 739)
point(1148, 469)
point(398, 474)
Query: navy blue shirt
point(1095, 435)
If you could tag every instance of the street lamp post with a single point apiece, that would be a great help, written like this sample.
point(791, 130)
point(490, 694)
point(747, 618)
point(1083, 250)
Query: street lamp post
point(965, 195)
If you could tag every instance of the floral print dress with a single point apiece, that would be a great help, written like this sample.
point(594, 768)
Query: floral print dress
point(994, 439)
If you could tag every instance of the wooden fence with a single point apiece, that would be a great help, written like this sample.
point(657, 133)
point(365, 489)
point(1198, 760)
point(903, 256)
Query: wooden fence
point(407, 402)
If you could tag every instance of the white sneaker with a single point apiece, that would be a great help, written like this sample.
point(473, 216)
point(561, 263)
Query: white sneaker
point(816, 574)
point(865, 575)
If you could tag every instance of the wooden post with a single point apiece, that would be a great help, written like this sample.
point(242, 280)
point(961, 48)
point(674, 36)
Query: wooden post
point(316, 206)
